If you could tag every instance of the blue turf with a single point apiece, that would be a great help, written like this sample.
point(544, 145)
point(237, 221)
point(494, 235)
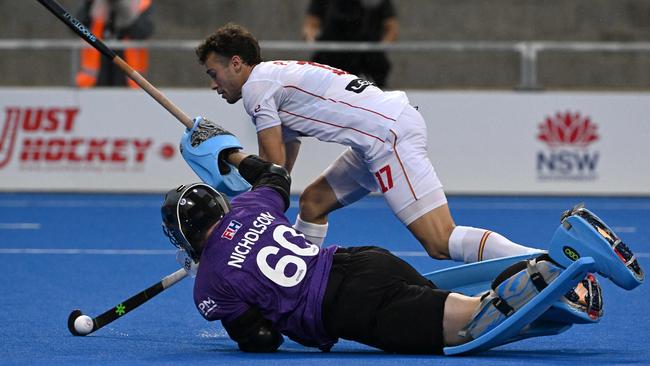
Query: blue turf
point(40, 289)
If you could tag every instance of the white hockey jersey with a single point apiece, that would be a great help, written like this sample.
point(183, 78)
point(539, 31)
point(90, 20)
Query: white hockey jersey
point(310, 99)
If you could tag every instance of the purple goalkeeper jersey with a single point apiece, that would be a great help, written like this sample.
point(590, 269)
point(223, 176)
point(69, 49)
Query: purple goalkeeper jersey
point(254, 258)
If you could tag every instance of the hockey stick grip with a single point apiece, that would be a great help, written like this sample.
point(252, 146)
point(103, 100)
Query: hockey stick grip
point(129, 304)
point(77, 27)
point(80, 29)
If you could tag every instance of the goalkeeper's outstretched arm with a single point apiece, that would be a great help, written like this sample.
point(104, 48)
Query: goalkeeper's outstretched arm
point(261, 173)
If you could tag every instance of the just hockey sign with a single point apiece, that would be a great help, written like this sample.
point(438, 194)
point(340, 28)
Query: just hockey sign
point(68, 140)
point(568, 137)
point(44, 138)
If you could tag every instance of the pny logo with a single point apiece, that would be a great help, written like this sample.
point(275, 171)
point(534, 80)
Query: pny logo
point(568, 157)
point(44, 137)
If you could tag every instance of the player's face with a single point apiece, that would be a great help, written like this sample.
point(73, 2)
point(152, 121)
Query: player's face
point(226, 75)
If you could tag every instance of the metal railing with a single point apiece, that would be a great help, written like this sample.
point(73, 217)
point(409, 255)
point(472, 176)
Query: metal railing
point(528, 51)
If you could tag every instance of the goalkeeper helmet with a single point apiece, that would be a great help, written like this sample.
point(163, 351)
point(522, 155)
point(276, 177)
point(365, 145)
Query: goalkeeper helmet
point(188, 212)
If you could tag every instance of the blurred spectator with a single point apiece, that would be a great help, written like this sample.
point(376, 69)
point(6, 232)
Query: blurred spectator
point(114, 20)
point(353, 21)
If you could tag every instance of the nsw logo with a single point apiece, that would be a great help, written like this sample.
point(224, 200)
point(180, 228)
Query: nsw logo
point(231, 230)
point(567, 136)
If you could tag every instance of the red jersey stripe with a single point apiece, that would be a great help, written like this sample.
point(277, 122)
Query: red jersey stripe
point(339, 101)
point(332, 124)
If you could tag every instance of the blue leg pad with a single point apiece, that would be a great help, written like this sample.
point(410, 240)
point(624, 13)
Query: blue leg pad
point(475, 278)
point(513, 327)
point(583, 234)
point(539, 328)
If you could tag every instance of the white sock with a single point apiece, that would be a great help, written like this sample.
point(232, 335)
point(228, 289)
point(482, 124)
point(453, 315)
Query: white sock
point(315, 233)
point(469, 244)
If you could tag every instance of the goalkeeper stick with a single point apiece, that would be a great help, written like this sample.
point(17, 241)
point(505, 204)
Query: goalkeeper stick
point(127, 305)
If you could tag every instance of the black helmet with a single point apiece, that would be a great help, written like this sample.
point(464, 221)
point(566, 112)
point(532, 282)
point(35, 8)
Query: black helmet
point(188, 212)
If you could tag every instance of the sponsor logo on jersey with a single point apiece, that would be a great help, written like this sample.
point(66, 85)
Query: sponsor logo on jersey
point(207, 306)
point(231, 230)
point(358, 85)
point(249, 239)
point(568, 155)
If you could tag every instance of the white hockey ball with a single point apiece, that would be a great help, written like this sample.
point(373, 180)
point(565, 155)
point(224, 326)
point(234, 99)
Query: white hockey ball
point(83, 324)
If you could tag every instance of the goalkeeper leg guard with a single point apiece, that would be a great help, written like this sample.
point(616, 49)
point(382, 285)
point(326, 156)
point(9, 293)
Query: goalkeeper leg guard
point(511, 290)
point(586, 298)
point(583, 234)
point(488, 329)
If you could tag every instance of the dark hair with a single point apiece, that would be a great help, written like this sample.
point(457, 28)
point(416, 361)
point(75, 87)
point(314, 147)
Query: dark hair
point(228, 41)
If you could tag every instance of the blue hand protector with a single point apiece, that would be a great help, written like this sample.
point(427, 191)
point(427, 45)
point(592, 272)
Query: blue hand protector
point(201, 146)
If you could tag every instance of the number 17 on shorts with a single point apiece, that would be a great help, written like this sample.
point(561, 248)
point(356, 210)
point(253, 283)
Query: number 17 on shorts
point(384, 178)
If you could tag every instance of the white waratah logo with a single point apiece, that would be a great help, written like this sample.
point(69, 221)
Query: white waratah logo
point(569, 155)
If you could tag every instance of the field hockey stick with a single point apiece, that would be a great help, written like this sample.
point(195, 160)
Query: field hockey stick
point(83, 327)
point(81, 30)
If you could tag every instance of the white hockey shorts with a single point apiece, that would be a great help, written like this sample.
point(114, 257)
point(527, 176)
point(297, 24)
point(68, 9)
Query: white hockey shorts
point(400, 170)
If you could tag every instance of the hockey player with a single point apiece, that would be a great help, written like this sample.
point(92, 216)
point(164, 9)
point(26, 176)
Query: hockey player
point(386, 137)
point(263, 279)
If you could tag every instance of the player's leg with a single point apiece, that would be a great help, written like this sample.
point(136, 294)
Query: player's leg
point(316, 202)
point(344, 182)
point(510, 291)
point(376, 298)
point(436, 231)
point(458, 312)
point(414, 192)
point(516, 301)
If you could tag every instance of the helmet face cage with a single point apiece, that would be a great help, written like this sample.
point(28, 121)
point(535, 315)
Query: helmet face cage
point(188, 212)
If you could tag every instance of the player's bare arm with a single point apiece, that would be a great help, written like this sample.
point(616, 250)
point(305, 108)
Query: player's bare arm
point(292, 148)
point(271, 146)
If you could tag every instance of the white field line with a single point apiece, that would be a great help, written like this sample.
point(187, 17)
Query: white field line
point(72, 203)
point(624, 229)
point(168, 252)
point(87, 251)
point(19, 226)
point(424, 254)
point(506, 204)
point(37, 226)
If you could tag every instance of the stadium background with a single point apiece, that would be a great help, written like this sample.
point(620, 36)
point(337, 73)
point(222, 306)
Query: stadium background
point(420, 20)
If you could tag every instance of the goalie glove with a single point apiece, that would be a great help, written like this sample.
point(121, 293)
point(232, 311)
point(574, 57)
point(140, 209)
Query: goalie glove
point(205, 147)
point(188, 264)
